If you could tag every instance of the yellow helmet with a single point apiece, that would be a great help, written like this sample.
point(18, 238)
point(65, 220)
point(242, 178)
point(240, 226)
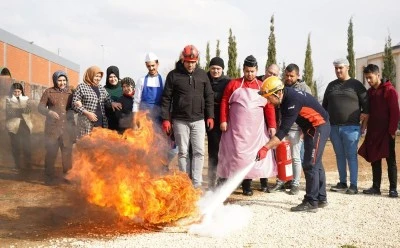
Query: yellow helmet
point(270, 86)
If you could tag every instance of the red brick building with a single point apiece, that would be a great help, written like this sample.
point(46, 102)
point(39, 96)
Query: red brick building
point(32, 64)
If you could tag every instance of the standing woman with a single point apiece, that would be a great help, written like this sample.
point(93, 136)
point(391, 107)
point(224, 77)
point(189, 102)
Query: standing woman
point(19, 125)
point(114, 89)
point(89, 101)
point(59, 128)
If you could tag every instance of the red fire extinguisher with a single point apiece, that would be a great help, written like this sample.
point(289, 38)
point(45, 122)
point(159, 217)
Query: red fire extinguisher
point(284, 161)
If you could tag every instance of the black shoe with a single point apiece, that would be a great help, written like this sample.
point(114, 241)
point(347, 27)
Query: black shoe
point(352, 190)
point(322, 204)
point(248, 192)
point(304, 206)
point(294, 190)
point(372, 191)
point(264, 189)
point(51, 182)
point(339, 187)
point(393, 193)
point(288, 184)
point(278, 187)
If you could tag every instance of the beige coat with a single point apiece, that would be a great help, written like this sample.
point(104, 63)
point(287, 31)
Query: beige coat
point(16, 111)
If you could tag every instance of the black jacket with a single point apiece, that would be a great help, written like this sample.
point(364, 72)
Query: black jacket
point(187, 96)
point(218, 86)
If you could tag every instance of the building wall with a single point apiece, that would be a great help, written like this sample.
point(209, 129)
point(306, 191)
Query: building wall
point(377, 59)
point(32, 64)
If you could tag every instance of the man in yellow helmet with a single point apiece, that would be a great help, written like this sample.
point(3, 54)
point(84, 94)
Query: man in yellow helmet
point(303, 109)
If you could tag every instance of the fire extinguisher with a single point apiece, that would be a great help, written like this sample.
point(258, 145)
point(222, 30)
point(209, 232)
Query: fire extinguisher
point(284, 161)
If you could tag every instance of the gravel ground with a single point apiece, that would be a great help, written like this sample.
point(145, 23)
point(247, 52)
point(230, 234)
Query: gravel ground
point(352, 220)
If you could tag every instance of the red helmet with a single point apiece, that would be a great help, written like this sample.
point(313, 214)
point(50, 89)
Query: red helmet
point(190, 53)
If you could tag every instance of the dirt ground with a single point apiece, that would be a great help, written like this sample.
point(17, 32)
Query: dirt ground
point(32, 213)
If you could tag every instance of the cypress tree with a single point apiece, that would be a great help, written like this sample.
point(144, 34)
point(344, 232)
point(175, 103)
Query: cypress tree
point(232, 56)
point(283, 70)
point(271, 59)
point(350, 50)
point(207, 67)
point(239, 71)
point(218, 51)
point(308, 71)
point(389, 67)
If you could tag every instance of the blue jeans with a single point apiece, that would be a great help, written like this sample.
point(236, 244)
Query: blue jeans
point(195, 133)
point(345, 143)
point(296, 143)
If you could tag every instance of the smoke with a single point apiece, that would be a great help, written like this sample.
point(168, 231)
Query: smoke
point(218, 218)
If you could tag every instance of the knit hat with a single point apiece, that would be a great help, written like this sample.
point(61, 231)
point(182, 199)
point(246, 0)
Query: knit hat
point(217, 61)
point(129, 81)
point(250, 61)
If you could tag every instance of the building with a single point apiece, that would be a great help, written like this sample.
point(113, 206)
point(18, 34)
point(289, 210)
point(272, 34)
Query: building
point(377, 59)
point(32, 64)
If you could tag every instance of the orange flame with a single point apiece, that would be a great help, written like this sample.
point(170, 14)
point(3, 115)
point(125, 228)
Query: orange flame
point(127, 172)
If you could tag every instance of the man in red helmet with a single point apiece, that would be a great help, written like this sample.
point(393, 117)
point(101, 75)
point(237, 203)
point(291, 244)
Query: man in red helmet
point(187, 101)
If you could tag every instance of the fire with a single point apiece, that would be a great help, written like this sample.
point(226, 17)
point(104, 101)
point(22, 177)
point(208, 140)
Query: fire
point(127, 173)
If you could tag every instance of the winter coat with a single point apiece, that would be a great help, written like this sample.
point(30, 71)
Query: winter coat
point(382, 122)
point(17, 111)
point(190, 95)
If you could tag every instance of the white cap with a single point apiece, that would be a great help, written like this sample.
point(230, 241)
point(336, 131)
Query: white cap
point(150, 57)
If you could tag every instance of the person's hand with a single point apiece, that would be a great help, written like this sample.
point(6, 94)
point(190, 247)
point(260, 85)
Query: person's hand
point(54, 115)
point(262, 153)
point(223, 126)
point(78, 104)
point(91, 116)
point(116, 106)
point(271, 131)
point(210, 123)
point(166, 126)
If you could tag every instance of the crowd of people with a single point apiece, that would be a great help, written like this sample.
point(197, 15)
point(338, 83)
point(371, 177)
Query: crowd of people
point(244, 119)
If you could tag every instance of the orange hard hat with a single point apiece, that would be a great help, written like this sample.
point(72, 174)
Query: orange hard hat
point(190, 53)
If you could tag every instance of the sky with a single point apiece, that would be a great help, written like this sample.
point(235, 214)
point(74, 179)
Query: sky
point(121, 32)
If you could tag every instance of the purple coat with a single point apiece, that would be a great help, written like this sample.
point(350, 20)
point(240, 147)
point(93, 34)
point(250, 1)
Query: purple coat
point(382, 122)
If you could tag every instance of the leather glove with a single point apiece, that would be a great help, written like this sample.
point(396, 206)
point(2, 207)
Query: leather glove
point(262, 153)
point(166, 126)
point(210, 123)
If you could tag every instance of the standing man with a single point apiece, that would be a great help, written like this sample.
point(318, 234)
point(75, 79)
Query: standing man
point(302, 108)
point(295, 136)
point(379, 141)
point(346, 101)
point(148, 91)
point(243, 122)
point(188, 91)
point(271, 70)
point(218, 82)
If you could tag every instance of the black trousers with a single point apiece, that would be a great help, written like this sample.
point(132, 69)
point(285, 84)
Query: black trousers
point(21, 146)
point(314, 145)
point(52, 147)
point(392, 168)
point(213, 137)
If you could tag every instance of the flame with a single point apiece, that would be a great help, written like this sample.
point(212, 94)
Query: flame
point(127, 173)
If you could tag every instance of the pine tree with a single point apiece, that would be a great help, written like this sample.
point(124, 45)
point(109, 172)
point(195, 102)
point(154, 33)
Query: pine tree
point(271, 59)
point(232, 56)
point(207, 67)
point(389, 67)
point(308, 71)
point(350, 50)
point(218, 51)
